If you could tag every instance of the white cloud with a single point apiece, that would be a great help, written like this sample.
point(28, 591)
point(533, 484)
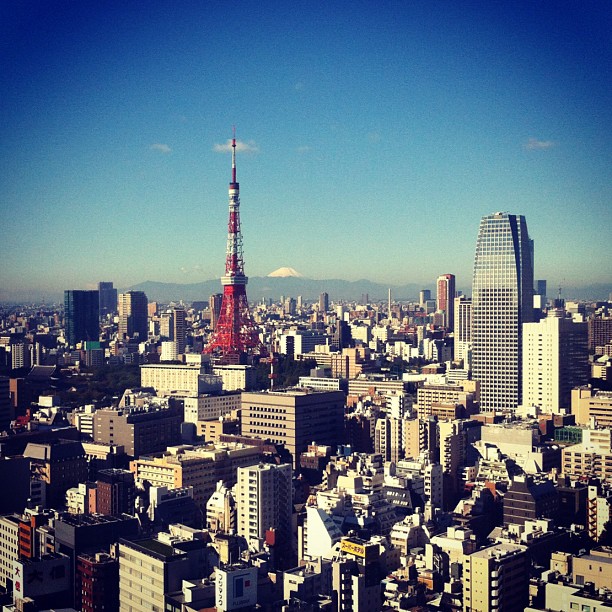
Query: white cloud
point(162, 148)
point(241, 147)
point(191, 269)
point(534, 144)
point(303, 149)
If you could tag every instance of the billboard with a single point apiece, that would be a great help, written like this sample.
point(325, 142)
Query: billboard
point(348, 546)
point(41, 577)
point(235, 587)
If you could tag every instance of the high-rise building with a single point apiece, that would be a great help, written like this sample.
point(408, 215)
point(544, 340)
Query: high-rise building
point(502, 300)
point(214, 303)
point(323, 303)
point(446, 299)
point(541, 289)
point(133, 315)
point(600, 332)
point(179, 329)
point(463, 331)
point(236, 335)
point(555, 360)
point(263, 500)
point(20, 353)
point(424, 296)
point(388, 438)
point(108, 298)
point(6, 410)
point(200, 467)
point(432, 398)
point(290, 307)
point(294, 417)
point(82, 316)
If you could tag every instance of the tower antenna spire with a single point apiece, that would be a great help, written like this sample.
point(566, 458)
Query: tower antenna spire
point(234, 154)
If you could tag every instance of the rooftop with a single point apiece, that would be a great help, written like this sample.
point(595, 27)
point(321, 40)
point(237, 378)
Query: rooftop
point(499, 551)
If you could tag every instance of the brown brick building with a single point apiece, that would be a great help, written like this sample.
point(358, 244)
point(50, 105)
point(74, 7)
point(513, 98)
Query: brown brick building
point(115, 492)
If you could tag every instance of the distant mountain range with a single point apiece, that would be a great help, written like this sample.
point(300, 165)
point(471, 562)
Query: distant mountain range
point(310, 289)
point(261, 287)
point(276, 286)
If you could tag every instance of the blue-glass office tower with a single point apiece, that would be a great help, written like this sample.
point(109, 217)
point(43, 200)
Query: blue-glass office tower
point(108, 298)
point(502, 300)
point(81, 316)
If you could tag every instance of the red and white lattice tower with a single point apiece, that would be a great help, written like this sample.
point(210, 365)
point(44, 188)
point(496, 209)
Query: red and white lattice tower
point(236, 335)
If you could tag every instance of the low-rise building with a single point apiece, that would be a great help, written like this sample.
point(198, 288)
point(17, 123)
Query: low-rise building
point(595, 567)
point(186, 380)
point(151, 568)
point(139, 430)
point(210, 406)
point(200, 467)
point(60, 465)
point(592, 406)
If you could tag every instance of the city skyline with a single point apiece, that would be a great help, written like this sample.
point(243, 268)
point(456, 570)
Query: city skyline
point(390, 130)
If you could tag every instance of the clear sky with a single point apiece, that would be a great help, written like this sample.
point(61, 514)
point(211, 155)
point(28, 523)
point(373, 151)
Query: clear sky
point(375, 136)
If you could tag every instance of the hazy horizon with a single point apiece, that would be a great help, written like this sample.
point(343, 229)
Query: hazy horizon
point(309, 288)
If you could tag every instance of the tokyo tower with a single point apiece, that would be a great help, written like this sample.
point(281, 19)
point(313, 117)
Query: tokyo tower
point(235, 336)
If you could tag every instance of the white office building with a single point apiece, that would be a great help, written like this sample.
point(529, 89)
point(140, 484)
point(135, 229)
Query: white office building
point(555, 360)
point(263, 498)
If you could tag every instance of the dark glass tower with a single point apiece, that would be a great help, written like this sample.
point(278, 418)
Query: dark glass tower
point(82, 316)
point(502, 300)
point(108, 298)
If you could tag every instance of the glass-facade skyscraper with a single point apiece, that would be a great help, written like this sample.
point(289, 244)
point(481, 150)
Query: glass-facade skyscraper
point(82, 316)
point(502, 300)
point(108, 298)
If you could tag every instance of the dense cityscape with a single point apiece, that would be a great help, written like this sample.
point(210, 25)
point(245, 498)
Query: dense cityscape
point(375, 374)
point(452, 452)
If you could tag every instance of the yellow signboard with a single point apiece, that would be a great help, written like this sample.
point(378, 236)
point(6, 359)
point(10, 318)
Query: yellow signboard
point(352, 547)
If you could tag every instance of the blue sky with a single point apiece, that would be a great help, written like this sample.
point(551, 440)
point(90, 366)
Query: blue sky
point(377, 134)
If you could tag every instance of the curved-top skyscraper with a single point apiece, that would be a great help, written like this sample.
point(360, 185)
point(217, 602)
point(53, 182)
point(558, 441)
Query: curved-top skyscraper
point(502, 300)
